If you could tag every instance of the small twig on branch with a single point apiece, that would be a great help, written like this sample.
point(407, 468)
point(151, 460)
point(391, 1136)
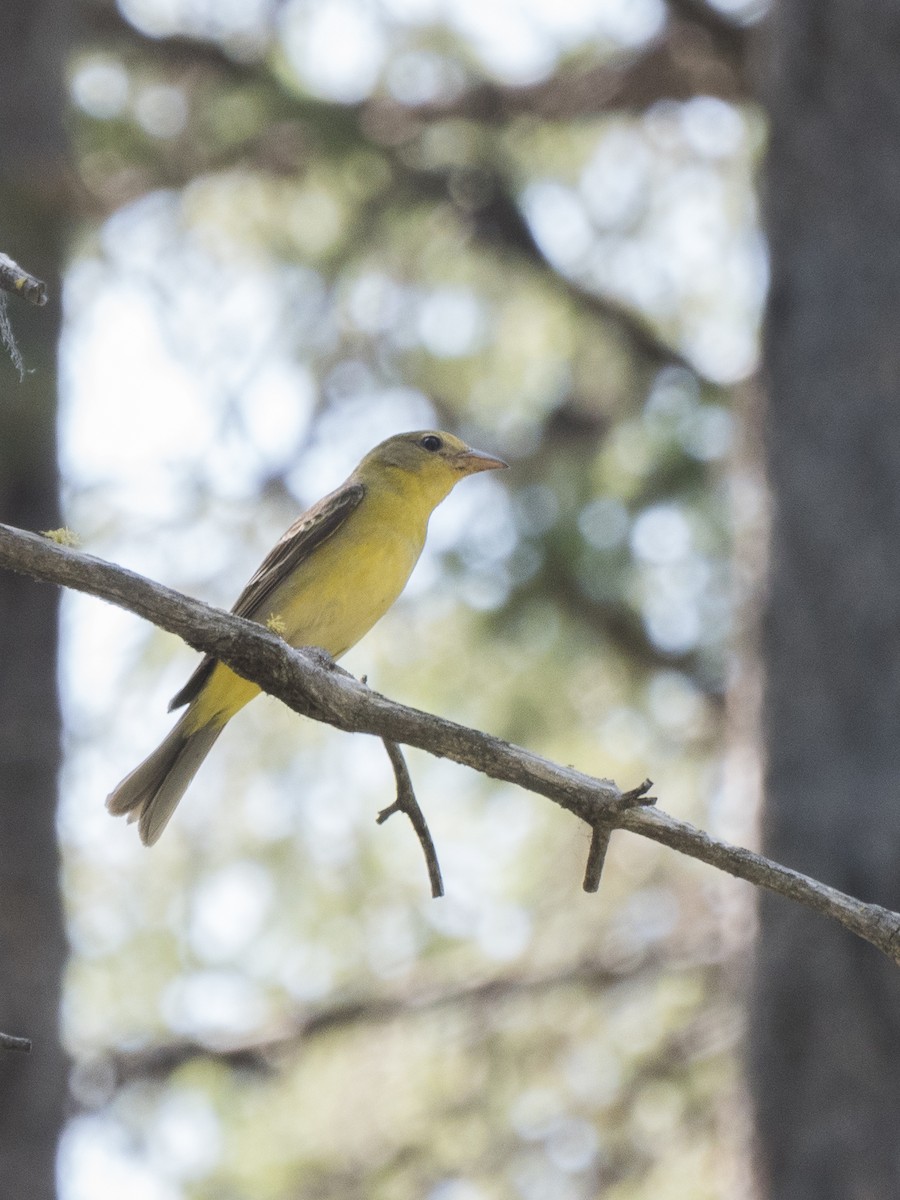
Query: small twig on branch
point(596, 859)
point(406, 802)
point(9, 1042)
point(406, 797)
point(339, 700)
point(602, 832)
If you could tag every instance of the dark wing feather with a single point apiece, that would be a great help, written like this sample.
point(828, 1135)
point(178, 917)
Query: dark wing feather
point(306, 534)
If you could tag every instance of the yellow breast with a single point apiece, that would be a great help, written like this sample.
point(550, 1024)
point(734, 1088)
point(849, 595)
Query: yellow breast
point(335, 596)
point(350, 581)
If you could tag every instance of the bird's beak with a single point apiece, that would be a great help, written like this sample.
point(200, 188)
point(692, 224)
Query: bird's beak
point(470, 461)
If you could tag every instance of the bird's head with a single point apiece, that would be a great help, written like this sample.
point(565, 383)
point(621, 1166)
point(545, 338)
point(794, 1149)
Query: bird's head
point(428, 461)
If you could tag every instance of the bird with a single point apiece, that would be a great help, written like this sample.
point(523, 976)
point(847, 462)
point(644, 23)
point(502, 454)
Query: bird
point(329, 578)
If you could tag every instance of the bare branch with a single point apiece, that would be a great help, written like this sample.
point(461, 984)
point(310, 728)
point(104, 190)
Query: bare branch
point(309, 688)
point(729, 36)
point(301, 680)
point(406, 802)
point(691, 57)
point(596, 860)
point(159, 1061)
point(9, 1042)
point(484, 201)
point(21, 283)
point(602, 832)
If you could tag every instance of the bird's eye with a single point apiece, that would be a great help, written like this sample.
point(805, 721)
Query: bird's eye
point(431, 443)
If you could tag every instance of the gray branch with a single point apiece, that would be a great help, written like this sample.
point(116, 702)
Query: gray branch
point(310, 688)
point(18, 283)
point(406, 802)
point(9, 1042)
point(116, 1068)
point(21, 283)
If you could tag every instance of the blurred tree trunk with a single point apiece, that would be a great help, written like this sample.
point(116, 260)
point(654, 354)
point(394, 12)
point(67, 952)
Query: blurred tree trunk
point(826, 1029)
point(32, 944)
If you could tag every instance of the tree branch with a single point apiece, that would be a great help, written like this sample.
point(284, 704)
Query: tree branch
point(305, 685)
point(730, 37)
point(406, 802)
point(700, 51)
point(483, 200)
point(602, 833)
point(9, 1042)
point(260, 1054)
point(21, 283)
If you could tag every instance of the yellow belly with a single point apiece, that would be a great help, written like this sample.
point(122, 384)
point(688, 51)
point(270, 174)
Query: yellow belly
point(332, 599)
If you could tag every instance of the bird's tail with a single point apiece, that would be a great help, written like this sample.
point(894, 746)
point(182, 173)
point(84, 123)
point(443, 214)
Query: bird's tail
point(151, 792)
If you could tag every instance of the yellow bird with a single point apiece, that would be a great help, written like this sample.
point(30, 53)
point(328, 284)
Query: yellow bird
point(330, 577)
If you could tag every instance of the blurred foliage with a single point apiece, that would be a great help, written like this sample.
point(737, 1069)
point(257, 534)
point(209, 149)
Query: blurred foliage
point(303, 226)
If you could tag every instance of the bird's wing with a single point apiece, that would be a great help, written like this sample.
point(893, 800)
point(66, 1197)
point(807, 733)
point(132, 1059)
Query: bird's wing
point(303, 538)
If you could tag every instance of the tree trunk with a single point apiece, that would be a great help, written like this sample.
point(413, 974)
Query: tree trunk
point(32, 942)
point(825, 1046)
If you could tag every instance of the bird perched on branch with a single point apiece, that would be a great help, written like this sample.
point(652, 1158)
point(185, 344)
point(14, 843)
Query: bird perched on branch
point(325, 583)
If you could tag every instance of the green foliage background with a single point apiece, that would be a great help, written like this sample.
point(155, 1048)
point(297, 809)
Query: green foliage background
point(276, 266)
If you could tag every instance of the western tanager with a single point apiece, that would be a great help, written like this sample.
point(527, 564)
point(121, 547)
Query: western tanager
point(330, 577)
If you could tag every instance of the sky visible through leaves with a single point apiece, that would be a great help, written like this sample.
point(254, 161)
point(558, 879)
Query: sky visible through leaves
point(236, 338)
